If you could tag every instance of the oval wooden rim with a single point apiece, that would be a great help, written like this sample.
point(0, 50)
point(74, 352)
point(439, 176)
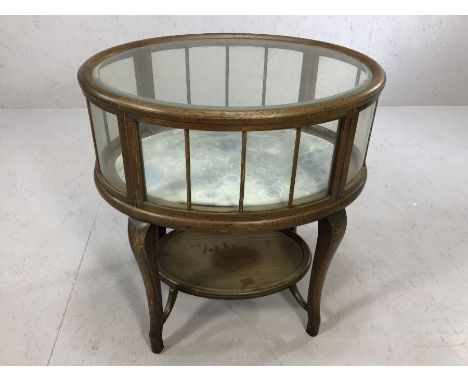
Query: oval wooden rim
point(131, 111)
point(230, 222)
point(277, 287)
point(282, 117)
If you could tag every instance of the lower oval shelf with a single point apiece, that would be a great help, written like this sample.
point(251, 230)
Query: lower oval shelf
point(232, 265)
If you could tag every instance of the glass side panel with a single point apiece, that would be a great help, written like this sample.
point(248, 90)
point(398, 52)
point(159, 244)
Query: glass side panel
point(215, 166)
point(361, 138)
point(120, 75)
point(332, 125)
point(363, 77)
point(208, 75)
point(169, 75)
point(268, 167)
point(283, 76)
point(245, 75)
point(314, 162)
point(334, 77)
point(163, 152)
point(109, 151)
point(229, 73)
point(215, 163)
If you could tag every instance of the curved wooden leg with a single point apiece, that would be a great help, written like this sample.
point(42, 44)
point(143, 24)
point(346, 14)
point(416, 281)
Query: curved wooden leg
point(330, 232)
point(143, 238)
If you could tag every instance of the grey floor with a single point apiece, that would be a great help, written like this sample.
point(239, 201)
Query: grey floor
point(396, 293)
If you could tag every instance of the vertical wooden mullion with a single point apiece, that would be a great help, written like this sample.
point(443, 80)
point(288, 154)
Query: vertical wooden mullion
point(98, 165)
point(370, 131)
point(226, 84)
point(309, 71)
point(242, 174)
point(339, 152)
point(265, 74)
point(144, 78)
point(187, 76)
point(294, 166)
point(188, 175)
point(358, 78)
point(188, 179)
point(343, 149)
point(106, 126)
point(132, 159)
point(353, 118)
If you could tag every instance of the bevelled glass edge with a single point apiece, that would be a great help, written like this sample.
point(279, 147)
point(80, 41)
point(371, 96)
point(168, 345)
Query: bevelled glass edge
point(218, 42)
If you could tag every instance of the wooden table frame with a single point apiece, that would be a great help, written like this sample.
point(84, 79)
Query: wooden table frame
point(144, 236)
point(148, 218)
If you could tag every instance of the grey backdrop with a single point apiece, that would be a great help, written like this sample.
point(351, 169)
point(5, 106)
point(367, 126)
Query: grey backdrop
point(425, 57)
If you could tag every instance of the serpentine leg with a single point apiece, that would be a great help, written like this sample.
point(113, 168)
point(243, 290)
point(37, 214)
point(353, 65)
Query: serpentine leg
point(143, 238)
point(330, 232)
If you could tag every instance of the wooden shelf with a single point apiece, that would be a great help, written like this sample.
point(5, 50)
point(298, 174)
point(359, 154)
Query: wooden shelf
point(232, 266)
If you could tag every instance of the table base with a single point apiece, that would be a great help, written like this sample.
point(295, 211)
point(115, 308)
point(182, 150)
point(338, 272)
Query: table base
point(231, 266)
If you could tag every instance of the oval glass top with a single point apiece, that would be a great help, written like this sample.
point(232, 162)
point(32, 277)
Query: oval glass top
point(229, 73)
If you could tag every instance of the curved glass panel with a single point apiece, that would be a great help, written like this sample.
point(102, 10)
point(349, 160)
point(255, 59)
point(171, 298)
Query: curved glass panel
point(361, 138)
point(215, 162)
point(232, 73)
point(207, 75)
point(335, 77)
point(215, 166)
point(245, 75)
point(169, 75)
point(283, 76)
point(120, 75)
point(269, 159)
point(163, 152)
point(315, 158)
point(107, 138)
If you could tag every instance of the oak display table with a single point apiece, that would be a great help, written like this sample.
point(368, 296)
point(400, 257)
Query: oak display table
point(232, 140)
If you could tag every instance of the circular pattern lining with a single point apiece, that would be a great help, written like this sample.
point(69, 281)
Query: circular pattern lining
point(216, 163)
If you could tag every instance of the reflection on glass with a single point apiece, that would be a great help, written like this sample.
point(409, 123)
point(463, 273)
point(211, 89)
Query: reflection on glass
point(361, 139)
point(314, 163)
point(106, 134)
point(163, 151)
